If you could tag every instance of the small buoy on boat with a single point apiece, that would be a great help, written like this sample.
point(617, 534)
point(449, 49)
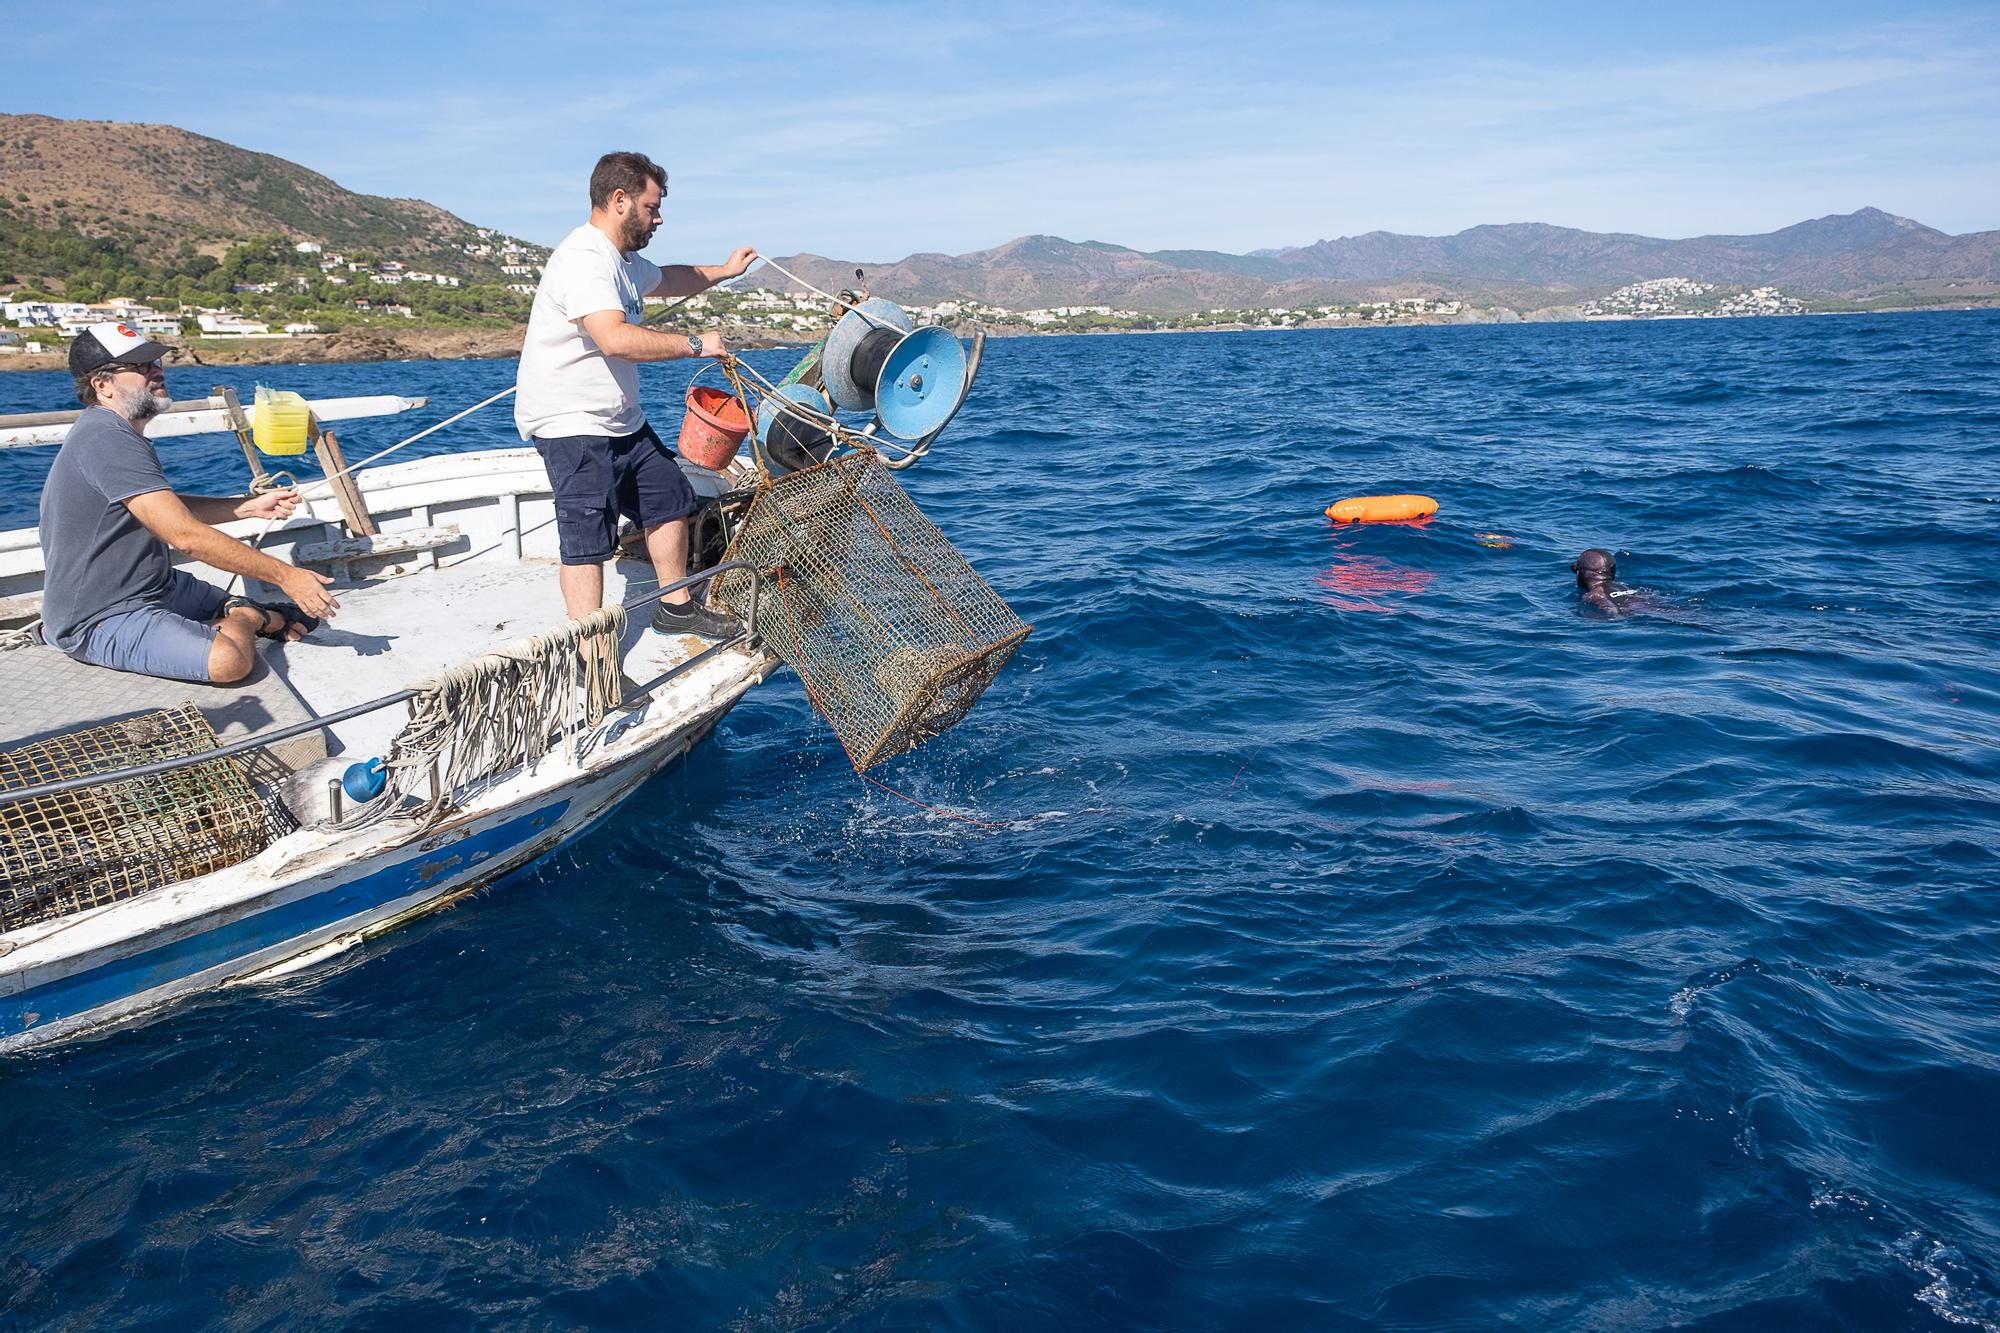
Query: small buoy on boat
point(1382, 509)
point(364, 781)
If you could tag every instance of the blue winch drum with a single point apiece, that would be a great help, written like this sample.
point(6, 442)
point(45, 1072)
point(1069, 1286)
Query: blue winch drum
point(921, 383)
point(850, 392)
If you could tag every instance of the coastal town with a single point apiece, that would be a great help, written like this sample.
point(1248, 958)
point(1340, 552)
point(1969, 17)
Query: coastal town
point(1683, 298)
point(32, 323)
point(316, 290)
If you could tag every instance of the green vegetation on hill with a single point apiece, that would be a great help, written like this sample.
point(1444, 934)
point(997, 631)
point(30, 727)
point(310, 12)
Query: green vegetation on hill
point(282, 197)
point(75, 267)
point(156, 187)
point(298, 200)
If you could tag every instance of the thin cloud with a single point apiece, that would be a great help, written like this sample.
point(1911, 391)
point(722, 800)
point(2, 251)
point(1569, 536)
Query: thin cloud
point(885, 128)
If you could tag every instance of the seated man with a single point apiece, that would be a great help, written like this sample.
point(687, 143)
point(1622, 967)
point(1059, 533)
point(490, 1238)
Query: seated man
point(110, 594)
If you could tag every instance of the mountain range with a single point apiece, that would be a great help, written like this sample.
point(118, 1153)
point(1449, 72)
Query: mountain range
point(152, 188)
point(1857, 254)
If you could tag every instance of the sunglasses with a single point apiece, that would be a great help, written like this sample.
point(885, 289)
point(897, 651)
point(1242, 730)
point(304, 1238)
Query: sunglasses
point(136, 367)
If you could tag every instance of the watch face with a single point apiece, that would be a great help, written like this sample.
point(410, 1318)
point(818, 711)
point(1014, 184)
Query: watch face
point(694, 346)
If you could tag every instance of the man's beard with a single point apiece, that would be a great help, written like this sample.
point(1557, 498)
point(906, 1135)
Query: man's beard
point(135, 404)
point(638, 231)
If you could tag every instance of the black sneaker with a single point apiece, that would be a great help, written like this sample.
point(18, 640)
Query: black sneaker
point(691, 617)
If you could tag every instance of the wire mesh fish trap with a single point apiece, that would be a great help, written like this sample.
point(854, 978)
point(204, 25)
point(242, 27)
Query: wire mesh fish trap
point(892, 633)
point(79, 849)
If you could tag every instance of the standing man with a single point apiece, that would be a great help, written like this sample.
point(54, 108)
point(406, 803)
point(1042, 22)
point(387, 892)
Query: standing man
point(110, 593)
point(578, 392)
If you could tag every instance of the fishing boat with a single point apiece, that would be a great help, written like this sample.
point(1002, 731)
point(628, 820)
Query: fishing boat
point(159, 839)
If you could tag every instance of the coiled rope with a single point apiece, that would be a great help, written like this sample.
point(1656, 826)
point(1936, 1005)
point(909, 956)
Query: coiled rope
point(503, 710)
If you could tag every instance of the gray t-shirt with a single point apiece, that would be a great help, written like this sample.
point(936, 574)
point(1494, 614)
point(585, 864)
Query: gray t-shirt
point(98, 558)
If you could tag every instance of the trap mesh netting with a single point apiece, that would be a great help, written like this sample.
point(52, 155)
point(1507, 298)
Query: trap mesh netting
point(890, 630)
point(78, 849)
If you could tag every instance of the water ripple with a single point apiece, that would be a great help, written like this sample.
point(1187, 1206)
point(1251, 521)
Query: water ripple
point(1365, 938)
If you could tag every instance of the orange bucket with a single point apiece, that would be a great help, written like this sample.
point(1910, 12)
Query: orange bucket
point(713, 429)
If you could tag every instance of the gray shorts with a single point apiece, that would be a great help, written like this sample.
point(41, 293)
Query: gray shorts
point(169, 638)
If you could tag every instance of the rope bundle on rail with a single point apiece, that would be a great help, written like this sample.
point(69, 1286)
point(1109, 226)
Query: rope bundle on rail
point(502, 711)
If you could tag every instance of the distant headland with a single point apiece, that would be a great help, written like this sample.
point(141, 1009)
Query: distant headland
point(244, 258)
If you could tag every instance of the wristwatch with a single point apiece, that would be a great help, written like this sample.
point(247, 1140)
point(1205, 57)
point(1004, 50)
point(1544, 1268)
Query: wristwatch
point(694, 344)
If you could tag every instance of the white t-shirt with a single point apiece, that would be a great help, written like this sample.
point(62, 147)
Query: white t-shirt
point(566, 385)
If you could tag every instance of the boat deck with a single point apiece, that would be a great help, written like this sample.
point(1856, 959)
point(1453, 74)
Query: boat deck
point(389, 634)
point(392, 633)
point(48, 693)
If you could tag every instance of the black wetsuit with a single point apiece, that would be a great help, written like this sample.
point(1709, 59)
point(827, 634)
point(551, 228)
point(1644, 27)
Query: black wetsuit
point(1598, 597)
point(1597, 583)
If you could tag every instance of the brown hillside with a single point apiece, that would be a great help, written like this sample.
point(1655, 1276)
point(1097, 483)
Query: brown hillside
point(155, 186)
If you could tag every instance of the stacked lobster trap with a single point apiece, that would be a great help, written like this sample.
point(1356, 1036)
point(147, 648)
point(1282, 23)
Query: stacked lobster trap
point(892, 633)
point(69, 850)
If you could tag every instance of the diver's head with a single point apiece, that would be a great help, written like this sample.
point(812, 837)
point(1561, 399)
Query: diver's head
point(1594, 568)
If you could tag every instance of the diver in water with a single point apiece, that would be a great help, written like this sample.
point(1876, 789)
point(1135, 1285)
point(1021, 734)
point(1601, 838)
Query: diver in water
point(1597, 583)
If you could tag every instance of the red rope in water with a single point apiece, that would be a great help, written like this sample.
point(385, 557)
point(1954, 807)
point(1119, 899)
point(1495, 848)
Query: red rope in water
point(936, 810)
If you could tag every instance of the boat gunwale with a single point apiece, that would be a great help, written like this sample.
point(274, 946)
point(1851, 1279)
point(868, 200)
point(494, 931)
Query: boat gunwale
point(298, 860)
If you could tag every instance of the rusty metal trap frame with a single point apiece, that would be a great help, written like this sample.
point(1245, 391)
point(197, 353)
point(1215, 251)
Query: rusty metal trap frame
point(892, 633)
point(78, 849)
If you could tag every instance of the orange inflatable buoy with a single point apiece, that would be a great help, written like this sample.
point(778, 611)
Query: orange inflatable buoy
point(1382, 509)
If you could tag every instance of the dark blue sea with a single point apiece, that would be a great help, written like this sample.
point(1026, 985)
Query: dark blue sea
point(1354, 935)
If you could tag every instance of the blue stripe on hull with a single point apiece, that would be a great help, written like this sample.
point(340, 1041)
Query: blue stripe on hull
point(244, 936)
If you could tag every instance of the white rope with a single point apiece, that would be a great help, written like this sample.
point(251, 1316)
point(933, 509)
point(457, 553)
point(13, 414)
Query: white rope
point(844, 305)
point(428, 430)
point(839, 430)
point(502, 711)
point(327, 480)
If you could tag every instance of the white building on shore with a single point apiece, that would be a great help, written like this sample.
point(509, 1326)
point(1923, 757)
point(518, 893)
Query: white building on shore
point(224, 324)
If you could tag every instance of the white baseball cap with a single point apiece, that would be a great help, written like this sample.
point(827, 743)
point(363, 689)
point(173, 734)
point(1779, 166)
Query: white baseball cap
point(101, 344)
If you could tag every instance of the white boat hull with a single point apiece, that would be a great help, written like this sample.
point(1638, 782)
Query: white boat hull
point(315, 891)
point(321, 887)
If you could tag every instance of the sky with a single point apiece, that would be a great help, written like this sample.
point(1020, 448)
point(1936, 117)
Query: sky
point(871, 131)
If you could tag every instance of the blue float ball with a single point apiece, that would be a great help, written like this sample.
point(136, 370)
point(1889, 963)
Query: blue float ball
point(364, 782)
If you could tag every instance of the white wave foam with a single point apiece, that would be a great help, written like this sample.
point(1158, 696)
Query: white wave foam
point(1950, 1292)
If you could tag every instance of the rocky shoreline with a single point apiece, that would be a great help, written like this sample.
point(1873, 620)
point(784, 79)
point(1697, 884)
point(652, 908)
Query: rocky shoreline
point(420, 344)
point(366, 344)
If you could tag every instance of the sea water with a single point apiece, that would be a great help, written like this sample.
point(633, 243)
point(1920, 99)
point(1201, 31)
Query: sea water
point(1313, 926)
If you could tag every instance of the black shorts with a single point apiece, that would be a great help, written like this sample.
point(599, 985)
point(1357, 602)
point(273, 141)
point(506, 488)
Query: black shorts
point(596, 478)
